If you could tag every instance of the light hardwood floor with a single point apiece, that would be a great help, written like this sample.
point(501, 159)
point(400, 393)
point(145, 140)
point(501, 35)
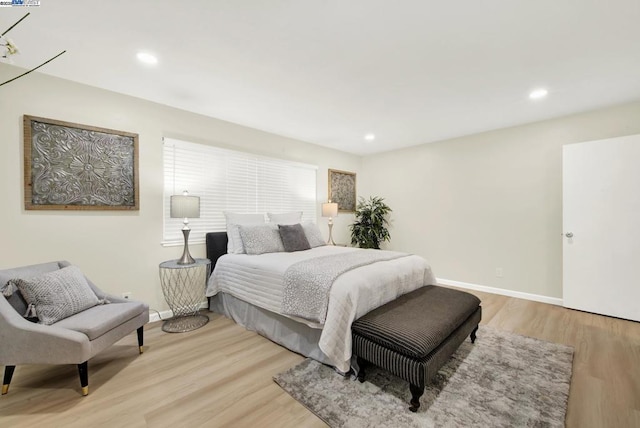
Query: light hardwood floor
point(220, 375)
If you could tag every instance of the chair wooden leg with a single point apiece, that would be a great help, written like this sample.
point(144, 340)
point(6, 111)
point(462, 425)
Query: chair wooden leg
point(8, 374)
point(140, 339)
point(84, 377)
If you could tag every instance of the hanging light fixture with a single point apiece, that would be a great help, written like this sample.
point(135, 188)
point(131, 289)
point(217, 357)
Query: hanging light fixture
point(11, 49)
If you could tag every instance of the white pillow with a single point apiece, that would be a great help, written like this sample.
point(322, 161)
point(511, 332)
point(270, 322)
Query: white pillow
point(233, 233)
point(285, 218)
point(313, 234)
point(261, 239)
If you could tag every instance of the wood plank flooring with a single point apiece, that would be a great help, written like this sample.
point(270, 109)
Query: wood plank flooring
point(220, 376)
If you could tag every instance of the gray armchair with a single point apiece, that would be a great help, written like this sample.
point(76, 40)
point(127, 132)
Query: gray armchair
point(73, 340)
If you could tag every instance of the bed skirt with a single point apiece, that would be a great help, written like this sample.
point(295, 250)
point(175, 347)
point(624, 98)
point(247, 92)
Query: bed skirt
point(291, 334)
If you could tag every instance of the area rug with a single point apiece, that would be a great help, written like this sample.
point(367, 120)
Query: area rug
point(503, 380)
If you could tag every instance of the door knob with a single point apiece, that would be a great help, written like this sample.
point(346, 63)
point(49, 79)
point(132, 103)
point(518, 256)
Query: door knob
point(569, 234)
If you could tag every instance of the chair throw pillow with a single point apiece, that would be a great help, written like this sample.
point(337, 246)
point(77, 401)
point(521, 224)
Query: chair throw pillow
point(14, 297)
point(57, 295)
point(293, 237)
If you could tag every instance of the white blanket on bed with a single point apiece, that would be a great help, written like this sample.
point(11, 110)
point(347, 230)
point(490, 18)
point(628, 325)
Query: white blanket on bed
point(259, 281)
point(307, 284)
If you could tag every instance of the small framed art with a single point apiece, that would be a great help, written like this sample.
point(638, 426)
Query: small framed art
point(342, 189)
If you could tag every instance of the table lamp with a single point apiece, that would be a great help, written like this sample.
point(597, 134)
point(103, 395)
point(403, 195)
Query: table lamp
point(185, 206)
point(330, 209)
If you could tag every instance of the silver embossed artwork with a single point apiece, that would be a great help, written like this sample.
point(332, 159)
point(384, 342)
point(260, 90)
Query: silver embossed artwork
point(342, 189)
point(77, 167)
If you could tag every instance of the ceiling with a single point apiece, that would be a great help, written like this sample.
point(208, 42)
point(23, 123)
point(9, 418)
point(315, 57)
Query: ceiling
point(328, 72)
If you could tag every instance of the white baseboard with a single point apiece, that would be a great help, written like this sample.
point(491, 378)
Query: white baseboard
point(502, 291)
point(158, 316)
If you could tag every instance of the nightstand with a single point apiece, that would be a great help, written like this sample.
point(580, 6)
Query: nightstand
point(183, 287)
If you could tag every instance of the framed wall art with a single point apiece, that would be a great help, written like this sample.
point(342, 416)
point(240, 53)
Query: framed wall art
point(68, 166)
point(342, 189)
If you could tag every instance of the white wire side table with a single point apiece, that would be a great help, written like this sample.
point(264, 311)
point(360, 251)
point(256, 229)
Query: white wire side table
point(183, 287)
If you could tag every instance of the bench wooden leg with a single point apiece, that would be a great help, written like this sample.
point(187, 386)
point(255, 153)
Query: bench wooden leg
point(473, 335)
point(361, 365)
point(416, 393)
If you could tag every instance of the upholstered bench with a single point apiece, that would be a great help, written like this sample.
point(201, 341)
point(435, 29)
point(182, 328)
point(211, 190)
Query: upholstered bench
point(414, 335)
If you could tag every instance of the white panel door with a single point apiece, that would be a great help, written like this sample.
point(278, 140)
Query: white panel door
point(601, 222)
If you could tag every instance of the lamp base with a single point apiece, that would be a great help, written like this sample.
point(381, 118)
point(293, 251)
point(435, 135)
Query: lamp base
point(330, 242)
point(186, 258)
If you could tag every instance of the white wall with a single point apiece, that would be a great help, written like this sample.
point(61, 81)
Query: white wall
point(120, 251)
point(468, 205)
point(491, 200)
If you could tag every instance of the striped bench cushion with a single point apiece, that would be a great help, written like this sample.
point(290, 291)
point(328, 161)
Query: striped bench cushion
point(416, 323)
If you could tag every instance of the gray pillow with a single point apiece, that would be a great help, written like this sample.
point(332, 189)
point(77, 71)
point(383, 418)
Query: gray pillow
point(261, 239)
point(293, 237)
point(10, 290)
point(14, 297)
point(57, 295)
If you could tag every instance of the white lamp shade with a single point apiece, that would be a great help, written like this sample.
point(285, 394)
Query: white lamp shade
point(330, 209)
point(183, 206)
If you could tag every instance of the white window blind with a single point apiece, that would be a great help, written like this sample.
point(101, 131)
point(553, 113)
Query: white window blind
point(228, 180)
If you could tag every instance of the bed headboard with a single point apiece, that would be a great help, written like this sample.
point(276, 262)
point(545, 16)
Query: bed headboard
point(216, 246)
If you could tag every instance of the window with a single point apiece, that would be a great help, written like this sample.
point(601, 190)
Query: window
point(228, 180)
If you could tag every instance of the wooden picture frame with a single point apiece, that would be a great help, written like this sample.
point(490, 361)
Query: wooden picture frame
point(68, 166)
point(342, 189)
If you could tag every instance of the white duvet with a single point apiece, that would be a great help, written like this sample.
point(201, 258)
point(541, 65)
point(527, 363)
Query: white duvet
point(259, 280)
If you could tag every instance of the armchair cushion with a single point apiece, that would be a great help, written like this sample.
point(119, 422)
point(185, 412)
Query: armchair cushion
point(98, 320)
point(58, 295)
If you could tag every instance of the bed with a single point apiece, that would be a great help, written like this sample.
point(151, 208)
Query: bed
point(254, 290)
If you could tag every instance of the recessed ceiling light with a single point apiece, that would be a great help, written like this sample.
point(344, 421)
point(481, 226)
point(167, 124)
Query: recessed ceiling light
point(538, 94)
point(147, 58)
point(370, 137)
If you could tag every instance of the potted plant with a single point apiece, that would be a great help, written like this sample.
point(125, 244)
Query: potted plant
point(369, 229)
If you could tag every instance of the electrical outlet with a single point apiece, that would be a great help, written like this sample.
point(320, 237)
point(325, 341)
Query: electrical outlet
point(499, 272)
point(127, 295)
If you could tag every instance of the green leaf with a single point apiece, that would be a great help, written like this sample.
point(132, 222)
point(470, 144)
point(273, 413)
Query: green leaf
point(369, 228)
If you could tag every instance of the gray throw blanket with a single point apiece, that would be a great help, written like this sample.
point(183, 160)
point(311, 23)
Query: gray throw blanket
point(307, 283)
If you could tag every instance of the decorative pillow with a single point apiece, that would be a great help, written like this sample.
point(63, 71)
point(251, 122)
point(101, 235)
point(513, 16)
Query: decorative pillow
point(293, 237)
point(313, 234)
point(57, 295)
point(10, 290)
point(233, 232)
point(261, 239)
point(285, 218)
point(15, 299)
